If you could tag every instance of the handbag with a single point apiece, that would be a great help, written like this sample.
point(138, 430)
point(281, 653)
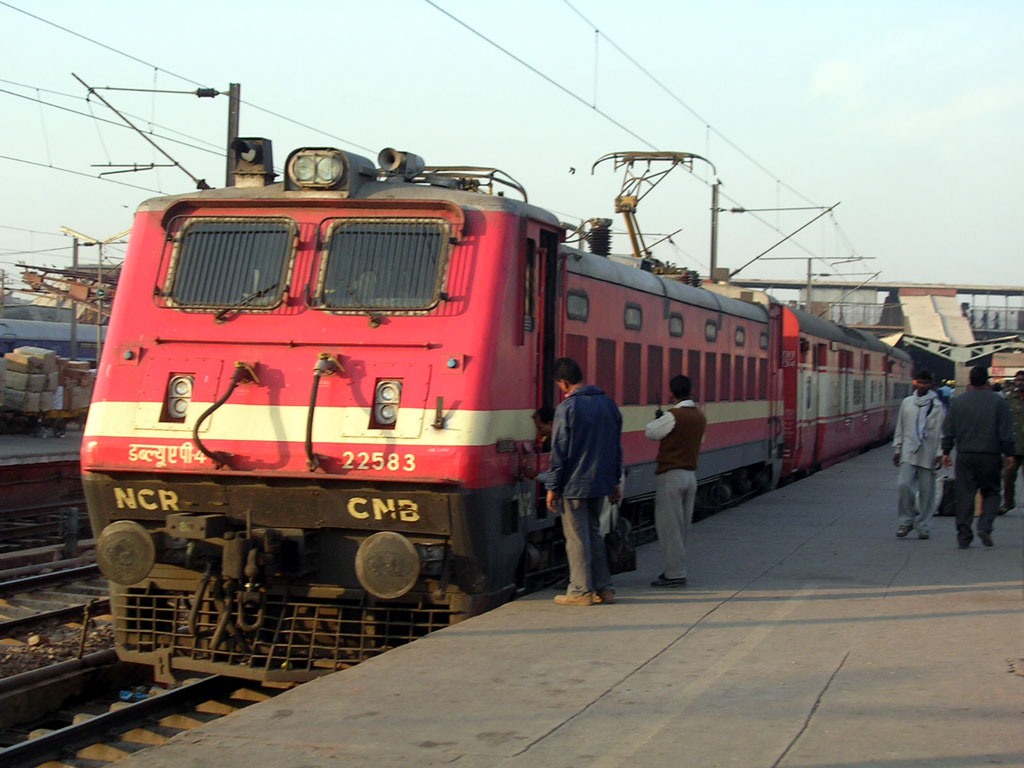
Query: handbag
point(621, 552)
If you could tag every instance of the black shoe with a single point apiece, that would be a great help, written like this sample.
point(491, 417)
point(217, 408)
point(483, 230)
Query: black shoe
point(964, 543)
point(661, 581)
point(986, 538)
point(1005, 508)
point(903, 530)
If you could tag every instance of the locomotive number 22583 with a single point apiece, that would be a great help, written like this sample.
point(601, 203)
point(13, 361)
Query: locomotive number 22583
point(379, 460)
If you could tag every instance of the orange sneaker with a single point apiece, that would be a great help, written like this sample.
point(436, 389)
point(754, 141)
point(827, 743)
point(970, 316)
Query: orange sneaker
point(584, 598)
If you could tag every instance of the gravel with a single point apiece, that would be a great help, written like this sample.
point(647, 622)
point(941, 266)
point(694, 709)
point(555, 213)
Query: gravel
point(41, 647)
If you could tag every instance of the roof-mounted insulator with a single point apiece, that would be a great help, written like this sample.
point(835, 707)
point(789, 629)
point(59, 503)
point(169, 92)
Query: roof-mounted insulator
point(599, 239)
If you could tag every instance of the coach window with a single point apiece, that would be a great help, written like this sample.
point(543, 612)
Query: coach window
point(634, 317)
point(530, 288)
point(675, 362)
point(725, 393)
point(764, 340)
point(239, 263)
point(577, 306)
point(737, 382)
point(741, 336)
point(710, 377)
point(576, 348)
point(632, 367)
point(675, 325)
point(711, 330)
point(655, 375)
point(693, 369)
point(606, 368)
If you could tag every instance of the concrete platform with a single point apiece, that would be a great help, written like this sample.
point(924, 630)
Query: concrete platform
point(810, 636)
point(28, 449)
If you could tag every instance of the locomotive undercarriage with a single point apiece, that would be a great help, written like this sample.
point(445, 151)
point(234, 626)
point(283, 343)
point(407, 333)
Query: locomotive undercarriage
point(202, 581)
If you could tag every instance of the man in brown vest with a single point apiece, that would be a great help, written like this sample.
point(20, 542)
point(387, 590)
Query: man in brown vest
point(681, 431)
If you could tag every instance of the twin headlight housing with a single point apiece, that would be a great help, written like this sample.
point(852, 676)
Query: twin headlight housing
point(387, 397)
point(325, 168)
point(179, 395)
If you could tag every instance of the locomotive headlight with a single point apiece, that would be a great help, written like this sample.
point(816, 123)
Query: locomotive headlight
point(389, 391)
point(328, 170)
point(179, 394)
point(304, 168)
point(181, 386)
point(386, 399)
point(316, 168)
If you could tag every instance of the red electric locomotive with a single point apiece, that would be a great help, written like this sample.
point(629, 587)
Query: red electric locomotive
point(306, 443)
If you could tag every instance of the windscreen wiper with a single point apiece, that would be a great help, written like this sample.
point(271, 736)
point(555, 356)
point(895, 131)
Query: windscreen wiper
point(241, 303)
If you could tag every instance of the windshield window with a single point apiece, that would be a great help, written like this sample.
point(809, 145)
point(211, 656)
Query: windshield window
point(232, 262)
point(383, 264)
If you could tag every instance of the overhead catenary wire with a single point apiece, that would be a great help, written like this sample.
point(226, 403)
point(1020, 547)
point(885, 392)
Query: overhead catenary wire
point(79, 173)
point(122, 126)
point(196, 83)
point(536, 71)
point(686, 106)
point(540, 74)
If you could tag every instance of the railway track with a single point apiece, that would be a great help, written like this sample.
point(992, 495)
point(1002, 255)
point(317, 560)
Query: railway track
point(107, 729)
point(39, 525)
point(74, 593)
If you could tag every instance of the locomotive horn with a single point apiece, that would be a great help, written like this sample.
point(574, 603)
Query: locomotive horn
point(405, 164)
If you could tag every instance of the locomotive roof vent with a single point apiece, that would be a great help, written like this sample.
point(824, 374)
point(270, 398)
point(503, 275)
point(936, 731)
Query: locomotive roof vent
point(394, 162)
point(326, 168)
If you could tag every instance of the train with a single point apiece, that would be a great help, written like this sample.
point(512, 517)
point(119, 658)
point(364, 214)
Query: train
point(16, 333)
point(311, 428)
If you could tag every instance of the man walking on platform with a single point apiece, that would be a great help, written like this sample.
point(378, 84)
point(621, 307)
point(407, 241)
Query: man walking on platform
point(680, 432)
point(1015, 400)
point(978, 424)
point(586, 462)
point(916, 442)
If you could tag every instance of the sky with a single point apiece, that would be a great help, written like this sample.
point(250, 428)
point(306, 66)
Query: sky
point(907, 114)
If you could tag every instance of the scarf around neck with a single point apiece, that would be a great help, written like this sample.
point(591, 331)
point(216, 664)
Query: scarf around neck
point(925, 404)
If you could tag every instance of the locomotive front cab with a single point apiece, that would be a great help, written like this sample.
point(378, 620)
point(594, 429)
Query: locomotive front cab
point(298, 456)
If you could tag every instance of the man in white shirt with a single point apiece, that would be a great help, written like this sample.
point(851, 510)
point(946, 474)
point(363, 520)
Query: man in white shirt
point(918, 453)
point(680, 433)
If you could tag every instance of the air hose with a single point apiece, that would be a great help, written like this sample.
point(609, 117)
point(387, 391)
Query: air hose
point(326, 364)
point(243, 374)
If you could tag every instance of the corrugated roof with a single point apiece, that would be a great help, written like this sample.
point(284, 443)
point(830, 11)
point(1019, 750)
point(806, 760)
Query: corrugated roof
point(935, 317)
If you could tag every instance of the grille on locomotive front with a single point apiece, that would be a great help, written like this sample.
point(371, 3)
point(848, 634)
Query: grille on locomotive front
point(297, 635)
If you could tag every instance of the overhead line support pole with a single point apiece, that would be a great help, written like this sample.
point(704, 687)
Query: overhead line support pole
point(234, 100)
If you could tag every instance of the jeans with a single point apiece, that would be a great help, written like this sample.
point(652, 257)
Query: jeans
point(584, 545)
point(675, 494)
point(916, 496)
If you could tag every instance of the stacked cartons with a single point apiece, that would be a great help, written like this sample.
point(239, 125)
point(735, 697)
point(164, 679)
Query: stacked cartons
point(28, 382)
point(38, 381)
point(76, 382)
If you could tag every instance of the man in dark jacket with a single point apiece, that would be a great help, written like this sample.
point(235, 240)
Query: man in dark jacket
point(586, 462)
point(978, 424)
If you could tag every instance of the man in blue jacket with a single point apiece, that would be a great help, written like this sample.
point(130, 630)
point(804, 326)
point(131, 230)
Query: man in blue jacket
point(586, 463)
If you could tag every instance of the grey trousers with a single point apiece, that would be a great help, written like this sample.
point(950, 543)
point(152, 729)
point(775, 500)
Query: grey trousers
point(976, 472)
point(916, 496)
point(675, 493)
point(584, 545)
